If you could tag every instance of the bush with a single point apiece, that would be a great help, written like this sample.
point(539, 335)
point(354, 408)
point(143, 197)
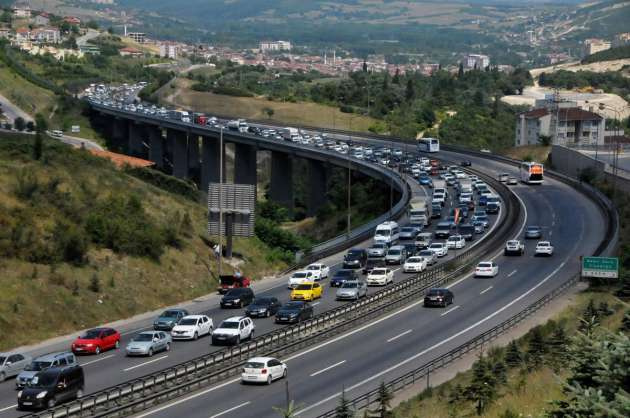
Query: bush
point(165, 182)
point(232, 91)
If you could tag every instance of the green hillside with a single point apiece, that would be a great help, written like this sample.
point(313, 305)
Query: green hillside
point(83, 243)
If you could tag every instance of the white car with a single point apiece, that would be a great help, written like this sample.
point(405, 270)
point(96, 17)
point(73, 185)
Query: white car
point(192, 327)
point(380, 277)
point(455, 242)
point(465, 198)
point(300, 277)
point(439, 199)
point(414, 265)
point(320, 271)
point(233, 331)
point(487, 269)
point(544, 248)
point(263, 370)
point(439, 249)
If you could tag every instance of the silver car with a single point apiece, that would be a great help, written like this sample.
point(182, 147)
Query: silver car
point(42, 363)
point(11, 364)
point(377, 250)
point(148, 343)
point(352, 290)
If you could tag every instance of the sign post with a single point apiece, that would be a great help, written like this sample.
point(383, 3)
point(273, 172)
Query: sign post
point(600, 267)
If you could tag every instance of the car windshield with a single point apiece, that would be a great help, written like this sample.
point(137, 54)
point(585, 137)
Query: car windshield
point(426, 253)
point(254, 365)
point(343, 273)
point(188, 321)
point(90, 335)
point(299, 275)
point(540, 244)
point(436, 245)
point(407, 229)
point(2, 359)
point(169, 314)
point(293, 305)
point(38, 365)
point(261, 301)
point(512, 242)
point(414, 260)
point(393, 252)
point(378, 271)
point(350, 285)
point(144, 337)
point(485, 265)
point(305, 287)
point(379, 246)
point(382, 233)
point(533, 228)
point(44, 380)
point(313, 268)
point(229, 324)
point(354, 254)
point(435, 292)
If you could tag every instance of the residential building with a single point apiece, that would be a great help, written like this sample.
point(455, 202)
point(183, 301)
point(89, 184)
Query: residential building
point(89, 49)
point(5, 33)
point(137, 37)
point(275, 46)
point(592, 46)
point(22, 35)
point(574, 125)
point(621, 39)
point(22, 12)
point(42, 19)
point(477, 61)
point(169, 50)
point(130, 52)
point(47, 35)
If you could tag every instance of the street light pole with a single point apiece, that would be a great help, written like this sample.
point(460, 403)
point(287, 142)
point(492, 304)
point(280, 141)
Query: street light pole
point(220, 200)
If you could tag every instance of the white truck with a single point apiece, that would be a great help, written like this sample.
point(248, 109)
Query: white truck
point(238, 125)
point(180, 115)
point(290, 133)
point(419, 212)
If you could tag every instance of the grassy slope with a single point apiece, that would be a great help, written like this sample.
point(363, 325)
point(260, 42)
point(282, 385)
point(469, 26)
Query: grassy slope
point(37, 301)
point(301, 113)
point(527, 395)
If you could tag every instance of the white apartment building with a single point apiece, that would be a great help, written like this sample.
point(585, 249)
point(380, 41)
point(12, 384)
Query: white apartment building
point(477, 61)
point(275, 46)
point(138, 37)
point(169, 50)
point(592, 46)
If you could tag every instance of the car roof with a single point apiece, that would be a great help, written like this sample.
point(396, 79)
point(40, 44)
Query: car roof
point(53, 356)
point(234, 319)
point(261, 359)
point(194, 316)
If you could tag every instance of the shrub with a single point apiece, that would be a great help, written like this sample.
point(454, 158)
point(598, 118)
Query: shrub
point(165, 182)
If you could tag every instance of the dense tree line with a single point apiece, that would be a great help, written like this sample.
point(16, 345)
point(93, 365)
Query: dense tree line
point(610, 81)
point(608, 55)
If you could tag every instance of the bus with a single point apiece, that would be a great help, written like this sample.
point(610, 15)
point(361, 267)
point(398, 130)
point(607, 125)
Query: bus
point(531, 173)
point(429, 145)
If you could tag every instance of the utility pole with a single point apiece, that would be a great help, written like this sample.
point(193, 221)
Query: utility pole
point(220, 200)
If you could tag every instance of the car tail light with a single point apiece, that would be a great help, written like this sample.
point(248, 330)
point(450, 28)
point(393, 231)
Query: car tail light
point(263, 371)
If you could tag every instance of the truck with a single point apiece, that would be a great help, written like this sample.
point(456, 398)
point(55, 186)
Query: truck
point(232, 281)
point(180, 115)
point(239, 125)
point(200, 119)
point(465, 186)
point(289, 133)
point(419, 212)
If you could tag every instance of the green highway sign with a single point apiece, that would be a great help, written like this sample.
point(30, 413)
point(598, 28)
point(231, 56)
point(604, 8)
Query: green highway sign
point(605, 267)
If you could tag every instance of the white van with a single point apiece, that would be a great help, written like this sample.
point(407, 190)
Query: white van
point(57, 133)
point(387, 233)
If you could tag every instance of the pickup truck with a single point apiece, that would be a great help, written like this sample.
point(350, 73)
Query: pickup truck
point(228, 282)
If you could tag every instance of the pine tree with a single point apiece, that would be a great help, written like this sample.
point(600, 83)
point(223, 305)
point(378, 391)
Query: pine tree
point(536, 348)
point(604, 310)
point(482, 388)
point(590, 311)
point(384, 402)
point(95, 284)
point(365, 67)
point(410, 91)
point(38, 146)
point(625, 322)
point(558, 343)
point(500, 372)
point(513, 355)
point(396, 79)
point(344, 410)
point(460, 72)
point(495, 106)
point(456, 394)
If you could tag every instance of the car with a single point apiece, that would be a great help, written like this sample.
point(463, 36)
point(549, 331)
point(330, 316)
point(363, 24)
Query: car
point(192, 327)
point(12, 364)
point(237, 298)
point(396, 255)
point(425, 180)
point(94, 341)
point(409, 232)
point(483, 200)
point(377, 250)
point(438, 297)
point(479, 226)
point(439, 249)
point(465, 163)
point(514, 246)
point(415, 264)
point(168, 319)
point(341, 276)
point(320, 271)
point(512, 181)
point(544, 248)
point(373, 263)
point(467, 231)
point(294, 311)
point(436, 211)
point(263, 306)
point(486, 269)
point(481, 217)
point(429, 256)
point(300, 277)
point(263, 370)
point(42, 363)
point(353, 290)
point(503, 177)
point(148, 343)
point(52, 387)
point(307, 291)
point(438, 199)
point(233, 331)
point(533, 232)
point(423, 240)
point(380, 276)
point(355, 258)
point(455, 242)
point(464, 210)
point(492, 207)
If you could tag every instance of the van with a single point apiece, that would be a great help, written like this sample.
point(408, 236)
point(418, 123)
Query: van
point(51, 387)
point(57, 133)
point(387, 233)
point(42, 363)
point(396, 255)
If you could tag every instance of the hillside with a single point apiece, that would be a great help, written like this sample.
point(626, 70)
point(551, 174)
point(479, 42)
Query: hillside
point(82, 243)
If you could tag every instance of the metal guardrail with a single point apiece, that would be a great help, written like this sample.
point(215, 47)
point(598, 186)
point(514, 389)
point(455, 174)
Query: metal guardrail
point(146, 391)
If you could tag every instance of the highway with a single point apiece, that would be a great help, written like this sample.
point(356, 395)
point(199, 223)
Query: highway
point(113, 367)
point(379, 351)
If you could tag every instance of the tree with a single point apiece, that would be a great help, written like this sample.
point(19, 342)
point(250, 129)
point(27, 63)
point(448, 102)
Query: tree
point(384, 400)
point(365, 66)
point(500, 372)
point(482, 387)
point(95, 283)
point(495, 106)
point(38, 146)
point(536, 348)
point(344, 409)
point(269, 112)
point(544, 140)
point(410, 91)
point(558, 344)
point(41, 125)
point(30, 126)
point(396, 79)
point(92, 24)
point(625, 322)
point(589, 316)
point(460, 71)
point(513, 355)
point(20, 123)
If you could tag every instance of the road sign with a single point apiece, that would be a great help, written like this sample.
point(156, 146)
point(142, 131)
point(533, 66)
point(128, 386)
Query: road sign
point(605, 267)
point(237, 202)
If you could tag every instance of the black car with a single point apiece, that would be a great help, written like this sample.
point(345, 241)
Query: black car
point(355, 258)
point(466, 163)
point(237, 298)
point(342, 276)
point(464, 210)
point(51, 387)
point(467, 231)
point(410, 248)
point(444, 229)
point(492, 207)
point(263, 306)
point(294, 311)
point(373, 263)
point(436, 211)
point(438, 297)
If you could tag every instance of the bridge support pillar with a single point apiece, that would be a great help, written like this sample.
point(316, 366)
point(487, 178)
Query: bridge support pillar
point(317, 181)
point(281, 188)
point(179, 142)
point(210, 160)
point(245, 164)
point(156, 146)
point(120, 130)
point(135, 140)
point(194, 166)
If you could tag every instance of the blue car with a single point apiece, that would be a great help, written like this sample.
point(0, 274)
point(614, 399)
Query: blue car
point(483, 200)
point(425, 181)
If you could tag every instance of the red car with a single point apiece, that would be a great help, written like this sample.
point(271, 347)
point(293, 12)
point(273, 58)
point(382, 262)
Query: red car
point(95, 340)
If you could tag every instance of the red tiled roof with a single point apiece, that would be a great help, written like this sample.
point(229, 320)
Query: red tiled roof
point(121, 160)
point(575, 113)
point(535, 113)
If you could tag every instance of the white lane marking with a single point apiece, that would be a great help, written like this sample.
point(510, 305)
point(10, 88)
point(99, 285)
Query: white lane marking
point(484, 291)
point(439, 344)
point(450, 310)
point(394, 271)
point(315, 304)
point(550, 233)
point(399, 335)
point(98, 359)
point(8, 407)
point(512, 274)
point(328, 368)
point(145, 363)
point(227, 411)
point(135, 330)
point(553, 223)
